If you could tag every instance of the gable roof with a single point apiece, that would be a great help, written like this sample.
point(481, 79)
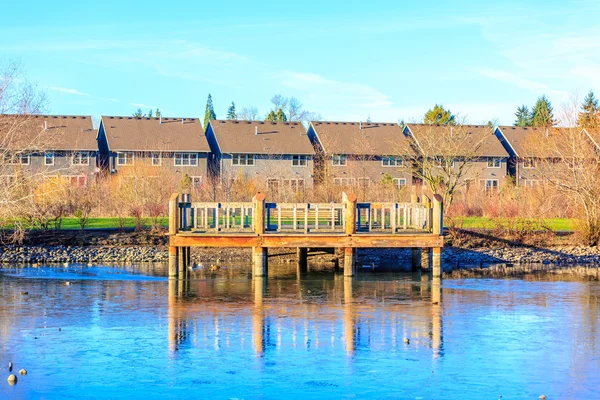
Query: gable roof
point(47, 132)
point(479, 139)
point(521, 140)
point(594, 135)
point(261, 137)
point(367, 138)
point(154, 134)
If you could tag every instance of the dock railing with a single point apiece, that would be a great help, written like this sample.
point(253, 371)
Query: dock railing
point(264, 218)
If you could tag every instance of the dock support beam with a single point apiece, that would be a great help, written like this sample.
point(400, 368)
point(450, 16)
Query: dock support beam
point(302, 262)
point(437, 262)
point(415, 258)
point(173, 268)
point(181, 261)
point(259, 261)
point(349, 261)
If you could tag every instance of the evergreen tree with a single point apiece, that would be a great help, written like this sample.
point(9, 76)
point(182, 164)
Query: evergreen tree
point(150, 113)
point(231, 114)
point(281, 115)
point(157, 113)
point(439, 116)
point(523, 116)
point(138, 113)
point(589, 117)
point(209, 114)
point(542, 115)
point(271, 116)
point(278, 116)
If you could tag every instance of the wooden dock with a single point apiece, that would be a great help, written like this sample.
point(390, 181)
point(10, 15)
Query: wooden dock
point(349, 225)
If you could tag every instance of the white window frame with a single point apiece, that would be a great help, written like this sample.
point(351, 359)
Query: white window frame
point(49, 155)
point(129, 156)
point(17, 159)
point(398, 183)
point(196, 181)
point(361, 182)
point(156, 155)
point(344, 181)
point(297, 185)
point(392, 162)
point(300, 161)
point(527, 160)
point(273, 184)
point(78, 155)
point(491, 162)
point(192, 159)
point(69, 180)
point(242, 160)
point(339, 160)
point(490, 188)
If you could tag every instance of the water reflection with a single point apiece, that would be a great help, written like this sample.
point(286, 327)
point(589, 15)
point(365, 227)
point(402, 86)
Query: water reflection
point(246, 338)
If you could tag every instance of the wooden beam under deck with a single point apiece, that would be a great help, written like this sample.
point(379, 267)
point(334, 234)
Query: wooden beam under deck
point(312, 240)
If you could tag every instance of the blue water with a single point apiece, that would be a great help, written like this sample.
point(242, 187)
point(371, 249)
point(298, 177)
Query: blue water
point(125, 333)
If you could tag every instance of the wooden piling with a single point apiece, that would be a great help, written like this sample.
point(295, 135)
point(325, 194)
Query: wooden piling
point(302, 259)
point(258, 221)
point(425, 258)
point(173, 268)
point(349, 261)
point(415, 258)
point(259, 261)
point(436, 262)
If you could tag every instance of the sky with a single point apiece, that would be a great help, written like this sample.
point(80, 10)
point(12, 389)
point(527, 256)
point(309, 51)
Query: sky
point(347, 60)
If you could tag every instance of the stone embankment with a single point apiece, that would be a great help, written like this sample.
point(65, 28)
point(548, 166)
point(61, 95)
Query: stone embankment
point(158, 253)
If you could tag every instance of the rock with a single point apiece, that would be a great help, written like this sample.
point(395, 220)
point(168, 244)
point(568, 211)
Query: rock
point(23, 371)
point(12, 379)
point(24, 293)
point(543, 397)
point(67, 283)
point(10, 366)
point(406, 340)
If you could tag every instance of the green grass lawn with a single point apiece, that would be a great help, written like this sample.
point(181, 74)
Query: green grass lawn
point(556, 224)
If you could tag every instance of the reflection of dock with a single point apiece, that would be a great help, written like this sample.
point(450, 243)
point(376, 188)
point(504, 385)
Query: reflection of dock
point(348, 318)
point(348, 225)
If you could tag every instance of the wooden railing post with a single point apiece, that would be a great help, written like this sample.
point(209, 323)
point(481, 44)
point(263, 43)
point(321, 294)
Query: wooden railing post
point(173, 229)
point(258, 221)
point(350, 201)
point(438, 215)
point(174, 214)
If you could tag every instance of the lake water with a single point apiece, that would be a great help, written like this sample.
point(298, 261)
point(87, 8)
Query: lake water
point(131, 333)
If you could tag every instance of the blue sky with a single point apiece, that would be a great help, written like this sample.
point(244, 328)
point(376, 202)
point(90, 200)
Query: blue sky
point(347, 60)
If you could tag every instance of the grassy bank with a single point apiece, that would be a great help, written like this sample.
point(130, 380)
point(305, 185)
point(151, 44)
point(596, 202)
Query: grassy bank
point(555, 224)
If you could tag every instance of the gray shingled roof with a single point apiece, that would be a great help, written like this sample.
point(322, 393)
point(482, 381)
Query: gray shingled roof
point(47, 132)
point(155, 134)
point(367, 138)
point(478, 138)
point(261, 137)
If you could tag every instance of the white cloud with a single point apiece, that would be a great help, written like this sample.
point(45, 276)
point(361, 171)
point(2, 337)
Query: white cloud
point(68, 90)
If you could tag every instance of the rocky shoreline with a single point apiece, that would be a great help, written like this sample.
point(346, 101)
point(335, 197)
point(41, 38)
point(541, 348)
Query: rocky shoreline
point(452, 256)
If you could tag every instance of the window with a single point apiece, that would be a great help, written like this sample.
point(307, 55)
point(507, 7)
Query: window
point(339, 160)
point(491, 184)
point(531, 182)
point(125, 158)
point(273, 185)
point(156, 159)
point(365, 182)
point(186, 159)
point(494, 162)
point(442, 162)
point(299, 161)
point(49, 158)
point(529, 162)
point(242, 159)
point(196, 181)
point(16, 159)
point(343, 181)
point(80, 158)
point(392, 162)
point(295, 185)
point(400, 182)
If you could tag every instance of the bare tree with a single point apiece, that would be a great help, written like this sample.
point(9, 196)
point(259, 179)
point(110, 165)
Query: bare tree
point(448, 157)
point(248, 114)
point(294, 109)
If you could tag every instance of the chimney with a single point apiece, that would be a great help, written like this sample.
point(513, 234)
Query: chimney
point(360, 125)
point(45, 125)
point(256, 130)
